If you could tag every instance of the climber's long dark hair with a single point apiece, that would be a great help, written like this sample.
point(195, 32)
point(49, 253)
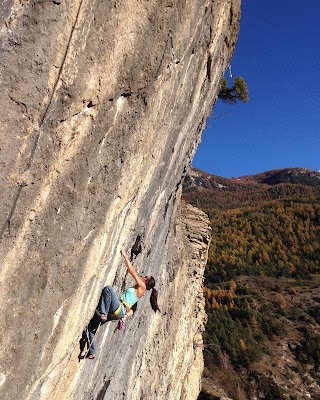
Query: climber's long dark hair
point(154, 294)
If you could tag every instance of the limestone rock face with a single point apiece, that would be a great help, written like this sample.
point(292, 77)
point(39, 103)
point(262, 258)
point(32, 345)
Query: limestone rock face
point(159, 357)
point(102, 107)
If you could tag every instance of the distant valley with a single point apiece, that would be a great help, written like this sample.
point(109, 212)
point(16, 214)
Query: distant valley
point(261, 283)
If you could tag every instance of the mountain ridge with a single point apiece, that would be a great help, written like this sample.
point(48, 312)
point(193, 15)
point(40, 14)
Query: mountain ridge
point(296, 175)
point(203, 189)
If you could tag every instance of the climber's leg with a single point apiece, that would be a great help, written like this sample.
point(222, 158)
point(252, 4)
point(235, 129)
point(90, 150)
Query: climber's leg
point(91, 331)
point(108, 303)
point(92, 344)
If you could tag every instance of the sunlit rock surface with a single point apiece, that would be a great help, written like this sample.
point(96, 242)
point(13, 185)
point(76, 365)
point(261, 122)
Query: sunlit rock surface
point(102, 107)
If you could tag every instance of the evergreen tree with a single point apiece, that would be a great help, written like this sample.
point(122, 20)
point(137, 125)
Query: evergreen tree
point(238, 91)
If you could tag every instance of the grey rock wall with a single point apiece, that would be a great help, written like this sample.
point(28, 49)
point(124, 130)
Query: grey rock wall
point(102, 107)
point(158, 356)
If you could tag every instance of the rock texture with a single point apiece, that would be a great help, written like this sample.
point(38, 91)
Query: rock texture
point(160, 357)
point(103, 104)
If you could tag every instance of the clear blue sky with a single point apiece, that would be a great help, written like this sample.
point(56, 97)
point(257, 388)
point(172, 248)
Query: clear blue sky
point(278, 55)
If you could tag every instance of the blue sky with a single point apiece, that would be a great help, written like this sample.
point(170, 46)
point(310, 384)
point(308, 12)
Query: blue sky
point(278, 55)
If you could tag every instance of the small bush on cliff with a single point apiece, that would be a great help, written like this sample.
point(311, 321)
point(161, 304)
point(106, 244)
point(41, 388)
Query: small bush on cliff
point(239, 91)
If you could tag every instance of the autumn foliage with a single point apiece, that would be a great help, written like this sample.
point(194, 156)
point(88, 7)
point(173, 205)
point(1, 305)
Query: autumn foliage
point(260, 233)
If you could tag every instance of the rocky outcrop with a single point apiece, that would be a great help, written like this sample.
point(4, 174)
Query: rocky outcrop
point(103, 104)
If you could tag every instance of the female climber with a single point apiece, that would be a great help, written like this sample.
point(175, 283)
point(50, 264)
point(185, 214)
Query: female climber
point(111, 308)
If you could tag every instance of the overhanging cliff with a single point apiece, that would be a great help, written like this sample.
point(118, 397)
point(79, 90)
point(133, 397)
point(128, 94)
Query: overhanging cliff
point(103, 104)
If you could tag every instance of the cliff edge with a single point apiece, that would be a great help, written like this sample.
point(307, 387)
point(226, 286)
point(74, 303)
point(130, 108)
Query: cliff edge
point(103, 104)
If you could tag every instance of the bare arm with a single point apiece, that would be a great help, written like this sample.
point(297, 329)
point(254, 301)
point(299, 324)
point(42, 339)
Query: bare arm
point(141, 285)
point(128, 314)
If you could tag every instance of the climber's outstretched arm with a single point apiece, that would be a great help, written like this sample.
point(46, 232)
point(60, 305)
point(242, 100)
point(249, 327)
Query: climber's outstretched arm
point(128, 314)
point(141, 285)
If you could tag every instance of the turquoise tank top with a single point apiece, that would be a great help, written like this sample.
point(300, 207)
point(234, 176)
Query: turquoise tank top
point(129, 297)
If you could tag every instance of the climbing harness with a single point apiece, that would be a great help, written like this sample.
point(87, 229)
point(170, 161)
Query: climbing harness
point(127, 305)
point(118, 310)
point(114, 314)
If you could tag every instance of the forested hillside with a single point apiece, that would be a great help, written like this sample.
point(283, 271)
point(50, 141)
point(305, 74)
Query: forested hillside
point(262, 283)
